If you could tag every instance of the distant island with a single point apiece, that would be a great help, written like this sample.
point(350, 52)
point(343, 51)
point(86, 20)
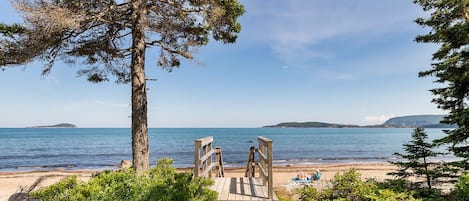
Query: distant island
point(426, 121)
point(62, 125)
point(310, 125)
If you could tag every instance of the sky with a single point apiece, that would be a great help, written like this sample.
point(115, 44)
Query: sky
point(343, 61)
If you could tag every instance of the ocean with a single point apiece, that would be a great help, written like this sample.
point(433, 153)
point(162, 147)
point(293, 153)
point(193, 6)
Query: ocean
point(26, 149)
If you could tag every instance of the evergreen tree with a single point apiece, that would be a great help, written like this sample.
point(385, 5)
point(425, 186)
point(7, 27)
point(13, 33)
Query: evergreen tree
point(416, 159)
point(10, 30)
point(111, 38)
point(449, 28)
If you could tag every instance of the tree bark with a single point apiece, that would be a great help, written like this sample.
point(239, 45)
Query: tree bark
point(140, 148)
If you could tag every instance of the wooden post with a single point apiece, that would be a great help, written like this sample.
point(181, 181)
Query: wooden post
point(270, 186)
point(263, 150)
point(204, 163)
point(209, 162)
point(197, 157)
point(219, 158)
point(265, 147)
point(250, 163)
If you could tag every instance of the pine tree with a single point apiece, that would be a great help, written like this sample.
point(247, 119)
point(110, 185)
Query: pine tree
point(111, 38)
point(449, 28)
point(416, 160)
point(10, 30)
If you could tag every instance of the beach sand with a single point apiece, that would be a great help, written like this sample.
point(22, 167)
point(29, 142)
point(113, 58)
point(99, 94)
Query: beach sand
point(13, 182)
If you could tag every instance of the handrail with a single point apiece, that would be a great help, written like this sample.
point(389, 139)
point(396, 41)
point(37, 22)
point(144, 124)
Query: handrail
point(250, 170)
point(204, 165)
point(264, 163)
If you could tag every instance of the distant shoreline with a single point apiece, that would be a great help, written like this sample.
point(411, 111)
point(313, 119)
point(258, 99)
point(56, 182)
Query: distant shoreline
point(62, 125)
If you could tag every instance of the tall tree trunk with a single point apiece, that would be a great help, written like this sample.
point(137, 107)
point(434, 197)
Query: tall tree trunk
point(427, 173)
point(140, 148)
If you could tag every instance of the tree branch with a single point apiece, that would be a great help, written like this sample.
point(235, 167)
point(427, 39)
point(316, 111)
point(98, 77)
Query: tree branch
point(170, 50)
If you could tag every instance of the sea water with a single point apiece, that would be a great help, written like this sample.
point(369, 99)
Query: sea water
point(25, 149)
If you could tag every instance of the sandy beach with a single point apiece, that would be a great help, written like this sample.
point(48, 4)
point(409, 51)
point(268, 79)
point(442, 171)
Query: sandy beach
point(13, 182)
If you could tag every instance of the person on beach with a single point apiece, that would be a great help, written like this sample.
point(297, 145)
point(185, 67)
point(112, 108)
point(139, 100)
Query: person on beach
point(301, 176)
point(316, 175)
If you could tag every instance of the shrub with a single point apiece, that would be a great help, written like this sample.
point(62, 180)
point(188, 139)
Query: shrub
point(309, 194)
point(160, 183)
point(350, 186)
point(461, 191)
point(429, 194)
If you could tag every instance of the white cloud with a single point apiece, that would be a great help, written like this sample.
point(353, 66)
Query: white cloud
point(378, 119)
point(293, 29)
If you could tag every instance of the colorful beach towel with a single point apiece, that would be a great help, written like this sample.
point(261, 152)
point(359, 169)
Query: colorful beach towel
point(301, 181)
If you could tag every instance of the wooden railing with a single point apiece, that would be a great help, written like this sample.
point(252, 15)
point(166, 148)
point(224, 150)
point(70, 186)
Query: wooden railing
point(264, 163)
point(251, 163)
point(204, 164)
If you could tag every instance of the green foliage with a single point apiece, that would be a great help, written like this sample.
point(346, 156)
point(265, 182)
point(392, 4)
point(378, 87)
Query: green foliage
point(449, 27)
point(429, 194)
point(10, 30)
point(350, 186)
point(59, 191)
point(397, 185)
point(461, 191)
point(97, 33)
point(160, 183)
point(415, 162)
point(308, 193)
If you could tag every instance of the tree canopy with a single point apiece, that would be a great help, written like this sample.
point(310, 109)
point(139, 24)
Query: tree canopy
point(98, 33)
point(110, 38)
point(449, 28)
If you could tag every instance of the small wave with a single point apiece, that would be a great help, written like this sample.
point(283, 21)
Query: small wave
point(62, 156)
point(48, 166)
point(59, 166)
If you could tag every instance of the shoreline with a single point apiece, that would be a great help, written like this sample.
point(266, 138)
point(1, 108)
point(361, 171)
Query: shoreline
point(13, 182)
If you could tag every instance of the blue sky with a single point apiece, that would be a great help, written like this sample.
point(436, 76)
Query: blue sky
point(345, 61)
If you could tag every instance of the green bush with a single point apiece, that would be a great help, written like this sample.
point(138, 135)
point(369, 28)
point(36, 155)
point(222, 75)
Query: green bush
point(398, 185)
point(350, 186)
point(429, 194)
point(461, 191)
point(160, 183)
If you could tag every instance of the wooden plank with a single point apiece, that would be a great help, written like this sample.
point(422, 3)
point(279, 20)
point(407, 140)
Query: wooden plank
point(243, 189)
point(260, 189)
point(251, 190)
point(256, 189)
point(196, 158)
point(209, 168)
point(218, 184)
point(270, 185)
point(206, 156)
point(264, 139)
point(223, 195)
point(262, 172)
point(233, 189)
point(261, 155)
point(205, 141)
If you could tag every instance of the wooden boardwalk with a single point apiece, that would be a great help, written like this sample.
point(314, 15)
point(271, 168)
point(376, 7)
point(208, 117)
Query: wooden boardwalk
point(240, 188)
point(234, 188)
